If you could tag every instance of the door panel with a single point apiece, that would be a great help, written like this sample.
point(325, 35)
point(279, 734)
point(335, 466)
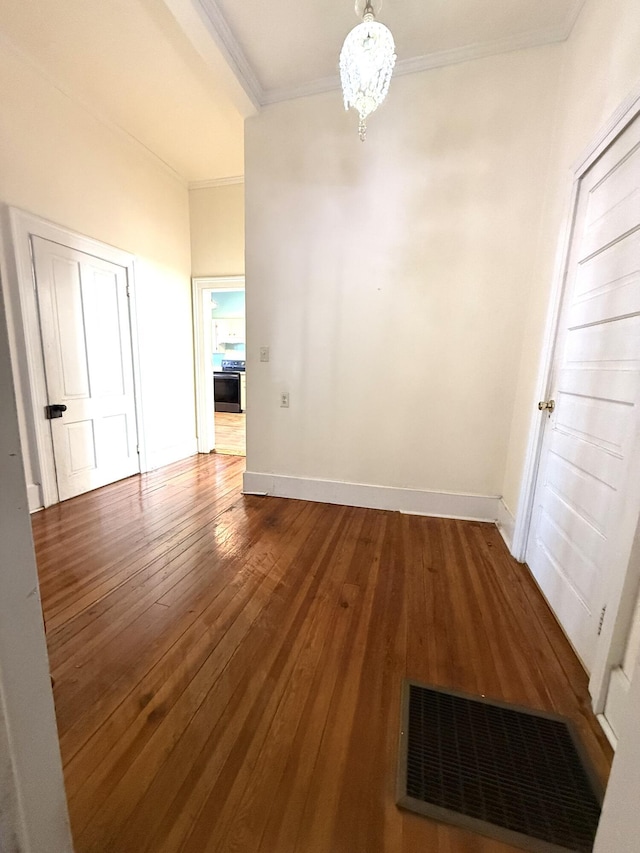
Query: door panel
point(613, 201)
point(86, 338)
point(66, 317)
point(587, 497)
point(81, 446)
point(557, 534)
point(607, 345)
point(601, 426)
point(607, 283)
point(105, 347)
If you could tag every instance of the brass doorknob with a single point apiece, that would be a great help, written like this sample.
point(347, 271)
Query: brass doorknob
point(547, 405)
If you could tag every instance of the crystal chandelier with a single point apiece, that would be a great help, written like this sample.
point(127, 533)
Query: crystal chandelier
point(366, 64)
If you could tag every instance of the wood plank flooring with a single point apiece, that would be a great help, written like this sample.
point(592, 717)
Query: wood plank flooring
point(228, 668)
point(231, 433)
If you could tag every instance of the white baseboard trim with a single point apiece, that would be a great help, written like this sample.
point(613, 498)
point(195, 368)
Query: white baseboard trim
point(173, 453)
point(506, 524)
point(606, 728)
point(411, 501)
point(155, 459)
point(34, 497)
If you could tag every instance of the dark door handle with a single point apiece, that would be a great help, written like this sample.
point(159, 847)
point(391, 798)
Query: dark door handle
point(54, 411)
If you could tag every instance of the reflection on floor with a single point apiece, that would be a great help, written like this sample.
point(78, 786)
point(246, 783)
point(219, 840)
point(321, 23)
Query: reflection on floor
point(228, 667)
point(231, 434)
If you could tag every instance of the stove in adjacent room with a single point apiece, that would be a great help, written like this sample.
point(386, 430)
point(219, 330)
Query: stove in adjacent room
point(226, 386)
point(233, 365)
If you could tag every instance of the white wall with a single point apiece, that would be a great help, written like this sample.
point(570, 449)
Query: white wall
point(60, 163)
point(390, 278)
point(600, 68)
point(33, 813)
point(217, 230)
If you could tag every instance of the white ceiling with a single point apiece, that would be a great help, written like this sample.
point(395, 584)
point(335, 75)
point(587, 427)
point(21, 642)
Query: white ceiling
point(179, 76)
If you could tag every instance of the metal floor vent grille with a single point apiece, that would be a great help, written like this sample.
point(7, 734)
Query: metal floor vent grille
point(510, 773)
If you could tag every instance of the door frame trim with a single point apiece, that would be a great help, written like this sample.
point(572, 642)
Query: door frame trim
point(205, 426)
point(23, 226)
point(610, 640)
point(543, 384)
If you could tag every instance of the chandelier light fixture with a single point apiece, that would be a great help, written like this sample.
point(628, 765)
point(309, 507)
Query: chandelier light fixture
point(367, 59)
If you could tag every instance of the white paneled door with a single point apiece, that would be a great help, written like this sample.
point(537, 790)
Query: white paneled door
point(86, 338)
point(587, 495)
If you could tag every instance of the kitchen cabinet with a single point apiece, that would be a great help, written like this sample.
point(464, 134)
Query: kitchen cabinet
point(227, 331)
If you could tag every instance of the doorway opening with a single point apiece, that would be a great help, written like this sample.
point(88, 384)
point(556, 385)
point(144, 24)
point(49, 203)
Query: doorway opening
point(220, 355)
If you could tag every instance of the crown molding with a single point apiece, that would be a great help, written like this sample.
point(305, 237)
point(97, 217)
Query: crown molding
point(233, 52)
point(314, 87)
point(230, 48)
point(216, 182)
point(90, 109)
point(481, 50)
point(438, 59)
point(574, 14)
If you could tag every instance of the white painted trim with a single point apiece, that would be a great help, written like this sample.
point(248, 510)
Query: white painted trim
point(230, 48)
point(411, 501)
point(198, 28)
point(506, 524)
point(202, 346)
point(305, 90)
point(574, 14)
point(23, 226)
point(609, 732)
point(35, 395)
point(617, 122)
point(216, 182)
point(205, 424)
point(136, 359)
point(90, 108)
point(216, 282)
point(480, 50)
point(543, 383)
point(616, 704)
point(617, 623)
point(34, 498)
point(172, 453)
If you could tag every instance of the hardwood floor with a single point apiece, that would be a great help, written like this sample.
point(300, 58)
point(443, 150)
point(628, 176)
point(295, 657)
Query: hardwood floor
point(231, 433)
point(228, 668)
